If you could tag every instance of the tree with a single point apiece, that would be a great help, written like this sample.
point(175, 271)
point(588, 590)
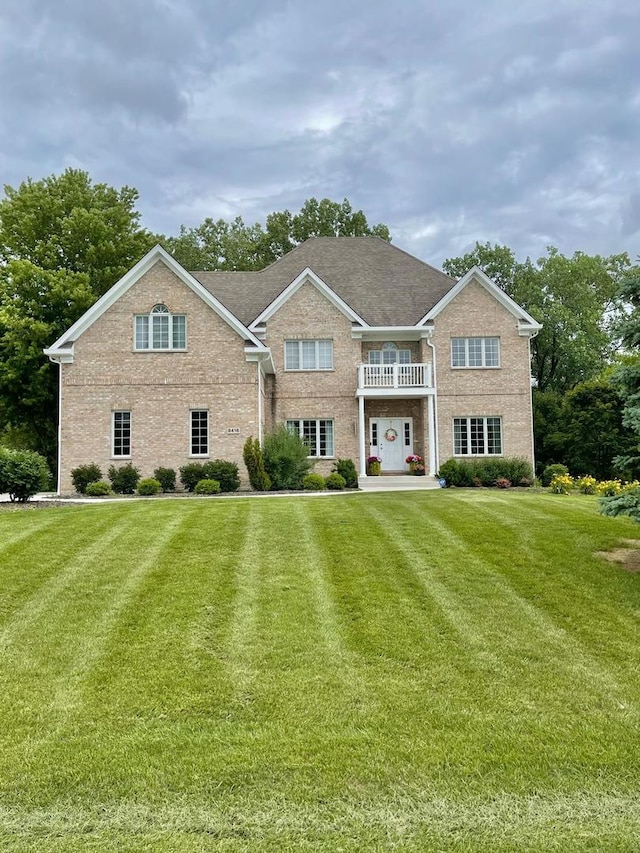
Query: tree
point(576, 299)
point(63, 242)
point(219, 245)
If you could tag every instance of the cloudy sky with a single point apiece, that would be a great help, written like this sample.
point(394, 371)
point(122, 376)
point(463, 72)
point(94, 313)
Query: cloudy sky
point(451, 121)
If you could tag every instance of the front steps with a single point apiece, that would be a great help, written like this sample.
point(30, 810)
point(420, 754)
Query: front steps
point(397, 482)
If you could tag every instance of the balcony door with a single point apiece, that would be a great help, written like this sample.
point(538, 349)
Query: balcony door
point(392, 440)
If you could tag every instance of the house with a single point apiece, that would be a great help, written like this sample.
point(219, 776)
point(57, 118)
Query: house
point(362, 348)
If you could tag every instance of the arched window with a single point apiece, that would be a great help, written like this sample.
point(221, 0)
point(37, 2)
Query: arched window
point(389, 354)
point(160, 330)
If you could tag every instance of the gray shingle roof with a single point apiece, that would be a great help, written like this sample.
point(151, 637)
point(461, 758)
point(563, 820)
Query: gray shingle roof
point(383, 284)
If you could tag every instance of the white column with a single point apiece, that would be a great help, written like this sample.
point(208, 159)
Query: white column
point(432, 435)
point(361, 437)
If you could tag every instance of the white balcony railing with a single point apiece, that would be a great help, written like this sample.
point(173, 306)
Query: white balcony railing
point(394, 375)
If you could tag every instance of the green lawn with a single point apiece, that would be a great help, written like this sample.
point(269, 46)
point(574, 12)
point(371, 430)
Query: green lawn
point(446, 671)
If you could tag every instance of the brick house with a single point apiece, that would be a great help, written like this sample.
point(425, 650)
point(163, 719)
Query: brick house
point(362, 348)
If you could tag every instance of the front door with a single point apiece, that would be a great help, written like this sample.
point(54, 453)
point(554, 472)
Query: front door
point(392, 440)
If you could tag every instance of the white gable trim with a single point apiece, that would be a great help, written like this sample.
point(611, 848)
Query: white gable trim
point(64, 345)
point(307, 275)
point(476, 274)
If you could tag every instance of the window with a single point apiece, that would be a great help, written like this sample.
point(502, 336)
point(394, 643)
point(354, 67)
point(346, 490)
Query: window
point(160, 330)
point(475, 352)
point(308, 355)
point(318, 434)
point(199, 432)
point(390, 354)
point(121, 433)
point(477, 436)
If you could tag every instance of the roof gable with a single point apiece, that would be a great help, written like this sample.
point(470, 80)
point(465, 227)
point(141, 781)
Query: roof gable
point(525, 320)
point(64, 345)
point(307, 276)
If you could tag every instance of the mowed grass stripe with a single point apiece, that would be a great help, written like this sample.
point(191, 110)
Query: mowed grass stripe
point(505, 618)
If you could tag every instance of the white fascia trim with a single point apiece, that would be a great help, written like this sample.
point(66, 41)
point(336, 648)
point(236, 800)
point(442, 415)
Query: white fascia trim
point(61, 356)
point(307, 275)
point(129, 279)
point(397, 333)
point(483, 279)
point(262, 356)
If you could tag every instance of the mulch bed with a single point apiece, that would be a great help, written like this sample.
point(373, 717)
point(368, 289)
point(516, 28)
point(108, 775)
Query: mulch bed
point(628, 557)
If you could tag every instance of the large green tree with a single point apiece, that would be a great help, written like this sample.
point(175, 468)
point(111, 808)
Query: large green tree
point(63, 242)
point(576, 298)
point(221, 245)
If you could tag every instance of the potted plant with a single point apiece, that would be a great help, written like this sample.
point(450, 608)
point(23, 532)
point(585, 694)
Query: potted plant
point(416, 464)
point(373, 466)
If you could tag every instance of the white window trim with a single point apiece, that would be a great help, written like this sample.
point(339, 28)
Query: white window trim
point(148, 318)
point(299, 342)
point(300, 427)
point(483, 366)
point(113, 434)
point(191, 454)
point(468, 419)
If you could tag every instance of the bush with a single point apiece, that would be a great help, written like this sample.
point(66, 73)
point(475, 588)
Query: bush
point(552, 471)
point(586, 485)
point(335, 482)
point(503, 483)
point(286, 459)
point(609, 488)
point(98, 489)
point(150, 486)
point(167, 479)
point(207, 487)
point(85, 474)
point(347, 469)
point(626, 502)
point(561, 484)
point(22, 473)
point(191, 474)
point(124, 480)
point(226, 473)
point(485, 472)
point(254, 462)
point(313, 483)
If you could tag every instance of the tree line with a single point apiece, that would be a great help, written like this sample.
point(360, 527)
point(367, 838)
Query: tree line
point(64, 241)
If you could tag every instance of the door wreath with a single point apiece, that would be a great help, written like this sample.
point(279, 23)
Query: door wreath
point(391, 434)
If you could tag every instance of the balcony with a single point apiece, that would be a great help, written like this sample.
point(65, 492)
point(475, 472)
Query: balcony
point(394, 380)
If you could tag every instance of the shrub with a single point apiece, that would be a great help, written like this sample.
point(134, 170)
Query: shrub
point(191, 474)
point(22, 473)
point(124, 480)
point(286, 458)
point(561, 484)
point(313, 483)
point(98, 489)
point(85, 474)
point(336, 482)
point(207, 487)
point(626, 502)
point(226, 473)
point(347, 469)
point(167, 479)
point(586, 485)
point(485, 472)
point(150, 486)
point(503, 483)
point(552, 471)
point(609, 488)
point(254, 462)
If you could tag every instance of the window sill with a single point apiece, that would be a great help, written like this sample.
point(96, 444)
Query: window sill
point(199, 456)
point(121, 458)
point(139, 351)
point(309, 370)
point(476, 366)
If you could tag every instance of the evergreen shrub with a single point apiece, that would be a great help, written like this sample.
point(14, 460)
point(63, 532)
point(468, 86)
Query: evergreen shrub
point(207, 487)
point(347, 469)
point(98, 489)
point(167, 479)
point(552, 471)
point(149, 486)
point(22, 473)
point(336, 482)
point(125, 479)
point(254, 462)
point(286, 458)
point(85, 474)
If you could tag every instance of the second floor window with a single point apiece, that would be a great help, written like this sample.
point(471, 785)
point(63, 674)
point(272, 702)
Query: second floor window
point(160, 330)
point(308, 355)
point(390, 354)
point(475, 352)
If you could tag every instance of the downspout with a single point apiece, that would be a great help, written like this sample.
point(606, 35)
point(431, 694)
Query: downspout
point(533, 435)
point(59, 476)
point(435, 403)
point(260, 403)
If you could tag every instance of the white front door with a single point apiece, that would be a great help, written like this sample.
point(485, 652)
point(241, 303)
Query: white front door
point(392, 440)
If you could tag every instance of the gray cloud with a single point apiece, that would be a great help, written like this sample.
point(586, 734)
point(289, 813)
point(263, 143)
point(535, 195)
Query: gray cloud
point(450, 122)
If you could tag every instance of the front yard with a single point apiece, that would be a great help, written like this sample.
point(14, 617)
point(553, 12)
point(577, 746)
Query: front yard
point(436, 671)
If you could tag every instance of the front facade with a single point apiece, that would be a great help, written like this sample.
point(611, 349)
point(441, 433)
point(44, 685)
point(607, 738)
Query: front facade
point(363, 349)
